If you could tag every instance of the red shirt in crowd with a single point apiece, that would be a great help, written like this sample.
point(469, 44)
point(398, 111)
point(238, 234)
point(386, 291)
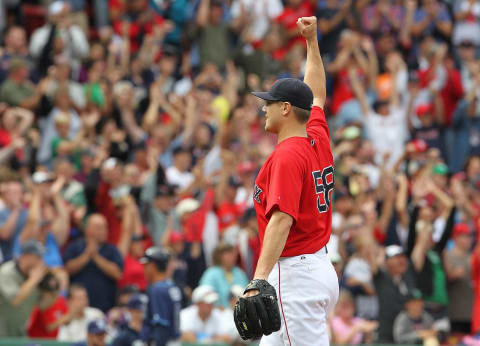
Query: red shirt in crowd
point(133, 274)
point(5, 138)
point(137, 30)
point(476, 291)
point(105, 206)
point(297, 179)
point(342, 91)
point(40, 319)
point(193, 226)
point(288, 19)
point(451, 93)
point(228, 214)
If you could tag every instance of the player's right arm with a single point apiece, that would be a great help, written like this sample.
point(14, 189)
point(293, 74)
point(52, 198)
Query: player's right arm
point(314, 78)
point(314, 71)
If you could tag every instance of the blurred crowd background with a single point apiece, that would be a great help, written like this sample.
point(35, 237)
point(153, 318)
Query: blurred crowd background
point(127, 124)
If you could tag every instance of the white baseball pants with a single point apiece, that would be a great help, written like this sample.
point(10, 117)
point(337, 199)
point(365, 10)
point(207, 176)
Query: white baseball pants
point(307, 291)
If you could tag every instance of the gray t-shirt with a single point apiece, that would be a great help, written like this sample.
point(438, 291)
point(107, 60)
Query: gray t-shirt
point(460, 292)
point(13, 319)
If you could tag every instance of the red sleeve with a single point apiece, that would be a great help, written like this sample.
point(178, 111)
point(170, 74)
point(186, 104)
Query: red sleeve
point(317, 124)
point(475, 266)
point(52, 314)
point(285, 183)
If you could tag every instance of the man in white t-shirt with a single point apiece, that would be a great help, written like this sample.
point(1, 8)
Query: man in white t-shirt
point(82, 315)
point(255, 15)
point(178, 174)
point(385, 122)
point(202, 322)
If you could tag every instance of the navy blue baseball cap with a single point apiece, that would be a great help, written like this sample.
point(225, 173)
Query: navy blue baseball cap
point(32, 247)
point(157, 255)
point(291, 90)
point(97, 327)
point(137, 302)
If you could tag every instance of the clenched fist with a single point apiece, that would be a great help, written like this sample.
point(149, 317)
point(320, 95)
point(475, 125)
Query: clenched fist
point(308, 26)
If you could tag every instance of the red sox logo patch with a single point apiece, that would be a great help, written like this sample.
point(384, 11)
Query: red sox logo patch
point(256, 193)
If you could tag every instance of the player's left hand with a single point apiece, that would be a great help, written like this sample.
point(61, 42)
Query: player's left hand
point(257, 312)
point(308, 26)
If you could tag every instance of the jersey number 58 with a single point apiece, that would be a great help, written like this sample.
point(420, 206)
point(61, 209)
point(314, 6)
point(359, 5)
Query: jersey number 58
point(323, 181)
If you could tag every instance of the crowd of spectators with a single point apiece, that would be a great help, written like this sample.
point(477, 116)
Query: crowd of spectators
point(126, 124)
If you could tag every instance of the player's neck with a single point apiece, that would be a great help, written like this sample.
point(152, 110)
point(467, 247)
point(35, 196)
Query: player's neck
point(296, 130)
point(160, 277)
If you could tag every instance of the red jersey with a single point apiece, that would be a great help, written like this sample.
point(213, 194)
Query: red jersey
point(133, 274)
point(288, 19)
point(228, 214)
point(41, 319)
point(297, 179)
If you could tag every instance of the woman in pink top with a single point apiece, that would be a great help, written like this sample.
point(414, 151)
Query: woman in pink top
point(346, 328)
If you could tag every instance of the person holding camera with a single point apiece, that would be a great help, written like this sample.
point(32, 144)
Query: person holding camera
point(48, 222)
point(19, 291)
point(51, 311)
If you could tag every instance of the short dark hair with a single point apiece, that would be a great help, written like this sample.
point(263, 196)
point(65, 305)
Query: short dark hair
point(301, 114)
point(74, 287)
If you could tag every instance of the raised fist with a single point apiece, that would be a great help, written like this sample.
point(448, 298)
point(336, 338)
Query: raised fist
point(307, 26)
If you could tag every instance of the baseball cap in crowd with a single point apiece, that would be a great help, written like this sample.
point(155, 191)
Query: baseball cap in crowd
point(217, 3)
point(420, 145)
point(98, 326)
point(467, 44)
point(32, 247)
point(351, 132)
point(384, 84)
point(424, 109)
point(414, 294)
point(110, 163)
point(340, 193)
point(334, 257)
point(187, 205)
point(236, 291)
point(245, 167)
point(169, 50)
point(42, 177)
point(204, 294)
point(176, 237)
point(393, 250)
point(291, 90)
point(461, 176)
point(129, 289)
point(137, 302)
point(165, 191)
point(156, 255)
point(56, 7)
point(247, 215)
point(180, 150)
point(440, 169)
point(233, 181)
point(137, 237)
point(461, 228)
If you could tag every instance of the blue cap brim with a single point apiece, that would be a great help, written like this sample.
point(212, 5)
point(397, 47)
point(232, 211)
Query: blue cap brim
point(265, 95)
point(144, 260)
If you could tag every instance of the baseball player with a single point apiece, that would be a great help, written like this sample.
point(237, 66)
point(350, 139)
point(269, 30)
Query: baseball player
point(164, 300)
point(295, 286)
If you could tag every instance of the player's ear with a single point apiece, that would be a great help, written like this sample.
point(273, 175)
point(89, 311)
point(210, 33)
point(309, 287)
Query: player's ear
point(286, 107)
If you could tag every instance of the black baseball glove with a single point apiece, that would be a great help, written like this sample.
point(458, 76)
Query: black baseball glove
point(257, 315)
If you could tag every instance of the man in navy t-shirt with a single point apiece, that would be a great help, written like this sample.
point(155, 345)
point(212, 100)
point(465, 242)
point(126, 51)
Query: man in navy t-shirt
point(95, 264)
point(164, 299)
